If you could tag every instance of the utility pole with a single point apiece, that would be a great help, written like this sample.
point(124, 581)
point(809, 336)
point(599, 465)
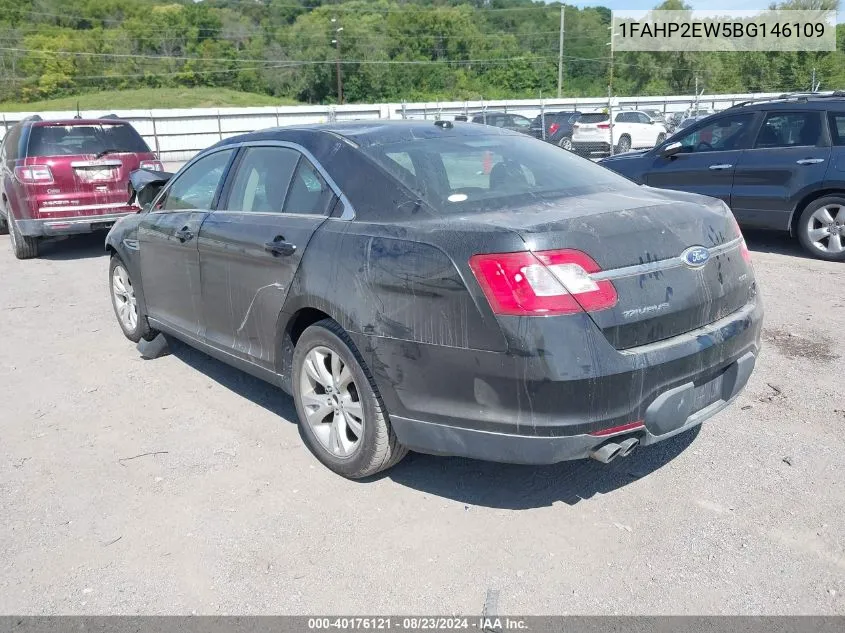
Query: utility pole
point(813, 82)
point(336, 42)
point(610, 43)
point(560, 58)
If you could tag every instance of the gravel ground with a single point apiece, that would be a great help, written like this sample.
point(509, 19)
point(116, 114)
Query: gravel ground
point(227, 512)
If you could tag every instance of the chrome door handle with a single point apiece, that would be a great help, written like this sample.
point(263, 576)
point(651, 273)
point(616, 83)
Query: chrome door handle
point(280, 247)
point(184, 234)
point(810, 161)
point(720, 166)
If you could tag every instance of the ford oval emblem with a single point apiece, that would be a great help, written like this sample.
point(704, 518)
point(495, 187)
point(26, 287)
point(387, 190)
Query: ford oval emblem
point(695, 256)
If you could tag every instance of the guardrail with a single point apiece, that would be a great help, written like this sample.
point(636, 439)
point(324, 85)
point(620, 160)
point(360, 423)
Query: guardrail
point(178, 134)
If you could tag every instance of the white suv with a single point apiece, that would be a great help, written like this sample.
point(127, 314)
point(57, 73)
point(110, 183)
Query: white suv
point(631, 130)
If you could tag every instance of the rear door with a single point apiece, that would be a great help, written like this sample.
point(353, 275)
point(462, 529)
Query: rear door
point(89, 163)
point(647, 130)
point(251, 247)
point(708, 159)
point(167, 237)
point(788, 160)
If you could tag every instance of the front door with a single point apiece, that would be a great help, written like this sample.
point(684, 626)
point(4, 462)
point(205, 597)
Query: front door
point(707, 162)
point(167, 238)
point(251, 247)
point(789, 159)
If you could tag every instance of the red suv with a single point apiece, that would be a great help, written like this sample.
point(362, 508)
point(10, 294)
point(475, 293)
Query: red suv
point(67, 177)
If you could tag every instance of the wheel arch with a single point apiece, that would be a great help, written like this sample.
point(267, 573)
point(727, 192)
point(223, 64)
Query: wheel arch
point(290, 328)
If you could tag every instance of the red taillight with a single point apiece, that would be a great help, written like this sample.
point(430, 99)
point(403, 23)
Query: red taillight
point(619, 429)
point(603, 126)
point(554, 127)
point(743, 247)
point(34, 175)
point(152, 164)
point(542, 283)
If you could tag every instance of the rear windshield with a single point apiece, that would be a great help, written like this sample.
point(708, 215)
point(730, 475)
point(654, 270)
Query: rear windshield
point(596, 117)
point(63, 140)
point(479, 173)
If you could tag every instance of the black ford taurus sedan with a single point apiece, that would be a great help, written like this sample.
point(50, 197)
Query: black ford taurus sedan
point(447, 288)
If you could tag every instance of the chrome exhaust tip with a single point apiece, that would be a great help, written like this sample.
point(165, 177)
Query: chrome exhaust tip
point(628, 446)
point(606, 453)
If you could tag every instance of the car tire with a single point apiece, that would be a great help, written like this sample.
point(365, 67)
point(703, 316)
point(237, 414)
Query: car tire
point(130, 317)
point(342, 418)
point(4, 226)
point(660, 138)
point(821, 228)
point(624, 144)
point(24, 247)
point(565, 143)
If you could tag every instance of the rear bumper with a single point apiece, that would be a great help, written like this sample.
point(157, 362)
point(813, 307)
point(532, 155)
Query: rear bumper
point(671, 413)
point(544, 409)
point(46, 227)
point(592, 147)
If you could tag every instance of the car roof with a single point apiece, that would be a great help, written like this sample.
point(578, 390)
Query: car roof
point(790, 101)
point(376, 132)
point(66, 122)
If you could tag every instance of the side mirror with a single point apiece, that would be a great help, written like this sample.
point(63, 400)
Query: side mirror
point(671, 149)
point(651, 121)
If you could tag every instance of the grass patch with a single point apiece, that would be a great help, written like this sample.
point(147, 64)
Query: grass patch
point(149, 98)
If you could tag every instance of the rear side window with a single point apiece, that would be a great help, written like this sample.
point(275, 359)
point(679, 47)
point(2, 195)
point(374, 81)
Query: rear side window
point(10, 143)
point(68, 140)
point(789, 129)
point(596, 117)
point(837, 127)
point(309, 193)
point(264, 175)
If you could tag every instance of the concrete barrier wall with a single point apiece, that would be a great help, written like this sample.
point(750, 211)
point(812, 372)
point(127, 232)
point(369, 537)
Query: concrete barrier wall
point(179, 133)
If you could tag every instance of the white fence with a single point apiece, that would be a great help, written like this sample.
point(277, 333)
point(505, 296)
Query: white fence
point(176, 135)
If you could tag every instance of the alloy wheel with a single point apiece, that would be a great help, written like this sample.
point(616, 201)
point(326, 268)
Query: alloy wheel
point(826, 228)
point(331, 401)
point(123, 294)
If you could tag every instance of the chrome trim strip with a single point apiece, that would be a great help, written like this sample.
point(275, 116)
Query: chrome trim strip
point(662, 264)
point(88, 219)
point(83, 207)
point(96, 163)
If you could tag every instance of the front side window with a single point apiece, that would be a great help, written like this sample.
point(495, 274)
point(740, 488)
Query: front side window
point(725, 133)
point(789, 129)
point(519, 121)
point(195, 187)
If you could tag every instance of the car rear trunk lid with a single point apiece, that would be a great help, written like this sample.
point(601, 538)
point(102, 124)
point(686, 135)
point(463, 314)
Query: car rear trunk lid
point(639, 241)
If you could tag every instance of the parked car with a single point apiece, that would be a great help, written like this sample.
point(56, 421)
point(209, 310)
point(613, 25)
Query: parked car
point(66, 177)
point(632, 129)
point(558, 127)
point(685, 123)
point(778, 164)
point(411, 299)
point(515, 122)
point(656, 115)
